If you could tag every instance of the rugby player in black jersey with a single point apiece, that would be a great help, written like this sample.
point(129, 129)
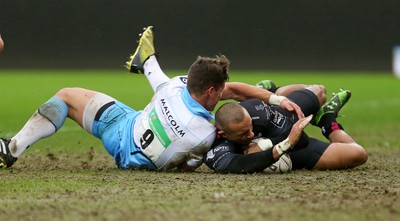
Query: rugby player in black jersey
point(253, 135)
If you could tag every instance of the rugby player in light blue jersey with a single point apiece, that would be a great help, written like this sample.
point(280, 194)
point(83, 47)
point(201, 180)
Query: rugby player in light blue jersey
point(173, 131)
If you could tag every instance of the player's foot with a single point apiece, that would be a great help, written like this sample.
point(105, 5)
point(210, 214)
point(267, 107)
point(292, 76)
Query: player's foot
point(332, 106)
point(267, 85)
point(6, 159)
point(143, 51)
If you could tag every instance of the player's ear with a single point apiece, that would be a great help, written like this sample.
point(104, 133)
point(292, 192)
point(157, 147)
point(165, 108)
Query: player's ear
point(221, 133)
point(210, 91)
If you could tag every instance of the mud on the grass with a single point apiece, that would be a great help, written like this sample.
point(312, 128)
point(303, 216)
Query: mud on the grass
point(95, 189)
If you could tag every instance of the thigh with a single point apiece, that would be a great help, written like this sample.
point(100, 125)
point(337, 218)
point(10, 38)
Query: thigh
point(309, 156)
point(76, 100)
point(306, 99)
point(341, 156)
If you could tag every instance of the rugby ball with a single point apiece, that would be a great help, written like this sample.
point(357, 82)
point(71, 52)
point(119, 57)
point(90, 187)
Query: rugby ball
point(283, 165)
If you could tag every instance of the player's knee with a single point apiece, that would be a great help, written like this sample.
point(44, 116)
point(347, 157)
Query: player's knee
point(65, 93)
point(321, 94)
point(320, 91)
point(62, 94)
point(360, 155)
point(363, 156)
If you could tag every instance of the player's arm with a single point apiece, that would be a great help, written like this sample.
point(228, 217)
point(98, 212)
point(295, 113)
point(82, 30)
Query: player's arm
point(241, 91)
point(195, 156)
point(250, 163)
point(295, 140)
point(225, 158)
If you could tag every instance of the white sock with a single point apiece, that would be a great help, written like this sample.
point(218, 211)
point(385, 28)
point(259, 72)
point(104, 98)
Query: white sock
point(153, 72)
point(36, 128)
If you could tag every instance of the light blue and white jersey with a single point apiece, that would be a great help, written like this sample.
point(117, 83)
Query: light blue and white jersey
point(174, 128)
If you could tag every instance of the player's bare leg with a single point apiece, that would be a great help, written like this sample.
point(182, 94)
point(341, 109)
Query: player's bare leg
point(76, 99)
point(48, 119)
point(318, 90)
point(339, 156)
point(343, 152)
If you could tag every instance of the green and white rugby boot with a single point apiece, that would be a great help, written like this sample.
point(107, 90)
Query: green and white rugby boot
point(332, 106)
point(267, 85)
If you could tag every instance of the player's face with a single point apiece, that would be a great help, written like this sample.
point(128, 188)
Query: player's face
point(240, 133)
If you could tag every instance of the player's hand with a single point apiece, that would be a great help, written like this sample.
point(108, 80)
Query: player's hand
point(304, 122)
point(292, 107)
point(297, 129)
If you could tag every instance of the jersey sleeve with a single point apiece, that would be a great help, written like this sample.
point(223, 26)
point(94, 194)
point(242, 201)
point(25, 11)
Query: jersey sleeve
point(219, 156)
point(250, 163)
point(225, 158)
point(186, 153)
point(195, 157)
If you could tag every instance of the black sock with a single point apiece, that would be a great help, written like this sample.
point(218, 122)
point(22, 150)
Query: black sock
point(327, 119)
point(330, 127)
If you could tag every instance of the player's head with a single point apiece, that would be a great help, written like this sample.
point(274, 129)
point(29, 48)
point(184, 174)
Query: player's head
point(206, 79)
point(234, 123)
point(1, 44)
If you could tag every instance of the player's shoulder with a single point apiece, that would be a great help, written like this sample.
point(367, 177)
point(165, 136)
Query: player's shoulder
point(181, 79)
point(173, 86)
point(221, 153)
point(256, 104)
point(223, 145)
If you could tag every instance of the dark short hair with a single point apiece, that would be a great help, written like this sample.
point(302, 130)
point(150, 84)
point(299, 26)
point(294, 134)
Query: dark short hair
point(227, 113)
point(207, 72)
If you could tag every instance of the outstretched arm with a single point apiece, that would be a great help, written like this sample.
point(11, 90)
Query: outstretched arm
point(224, 158)
point(241, 91)
point(250, 163)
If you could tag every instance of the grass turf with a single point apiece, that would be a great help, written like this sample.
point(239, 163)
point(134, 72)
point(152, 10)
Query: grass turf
point(69, 176)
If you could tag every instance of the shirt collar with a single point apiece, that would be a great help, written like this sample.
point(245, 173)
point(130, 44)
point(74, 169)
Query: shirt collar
point(194, 106)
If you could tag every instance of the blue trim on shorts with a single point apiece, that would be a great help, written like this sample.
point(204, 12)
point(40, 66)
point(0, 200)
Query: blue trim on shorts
point(114, 127)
